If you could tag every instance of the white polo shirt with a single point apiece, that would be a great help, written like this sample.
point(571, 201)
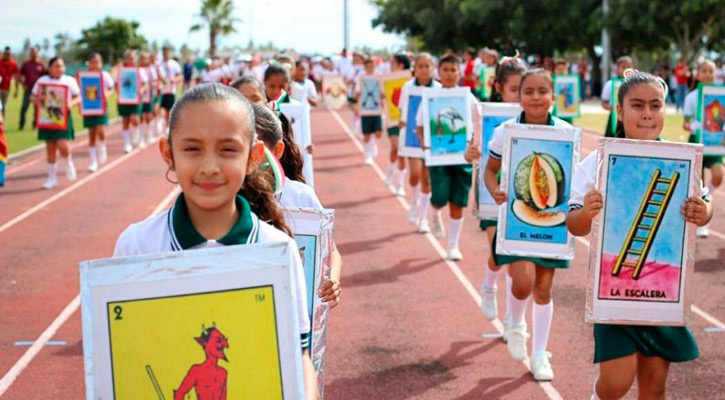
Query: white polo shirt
point(495, 146)
point(172, 230)
point(298, 195)
point(405, 96)
point(302, 91)
point(65, 80)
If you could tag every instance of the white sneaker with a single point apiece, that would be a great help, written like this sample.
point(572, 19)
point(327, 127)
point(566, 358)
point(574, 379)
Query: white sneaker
point(127, 148)
point(517, 342)
point(413, 213)
point(102, 154)
point(400, 191)
point(489, 307)
point(93, 166)
point(454, 254)
point(438, 230)
point(541, 367)
point(389, 177)
point(423, 226)
point(506, 328)
point(70, 171)
point(368, 160)
point(703, 231)
point(51, 182)
point(142, 142)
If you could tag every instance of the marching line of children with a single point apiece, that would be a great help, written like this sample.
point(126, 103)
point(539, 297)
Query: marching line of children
point(399, 62)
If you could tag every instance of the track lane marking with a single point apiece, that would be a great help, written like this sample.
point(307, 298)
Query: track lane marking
point(20, 365)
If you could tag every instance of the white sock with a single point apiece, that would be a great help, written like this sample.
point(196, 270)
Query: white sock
point(424, 204)
point(415, 191)
point(509, 295)
point(126, 136)
point(594, 392)
point(391, 168)
point(145, 131)
point(541, 316)
point(401, 178)
point(136, 133)
point(93, 155)
point(369, 149)
point(518, 309)
point(454, 231)
point(489, 277)
point(52, 170)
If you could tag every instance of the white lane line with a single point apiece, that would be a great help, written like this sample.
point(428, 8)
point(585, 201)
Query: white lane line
point(66, 191)
point(547, 387)
point(74, 145)
point(52, 329)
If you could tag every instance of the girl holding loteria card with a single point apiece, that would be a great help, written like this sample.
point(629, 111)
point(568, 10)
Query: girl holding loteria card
point(706, 75)
point(96, 125)
point(626, 352)
point(56, 140)
point(129, 113)
point(225, 200)
point(529, 275)
point(419, 179)
point(506, 84)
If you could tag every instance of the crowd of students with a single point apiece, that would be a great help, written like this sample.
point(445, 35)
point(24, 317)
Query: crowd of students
point(225, 192)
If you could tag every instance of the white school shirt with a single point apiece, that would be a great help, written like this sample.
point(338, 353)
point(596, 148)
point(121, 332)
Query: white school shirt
point(302, 91)
point(690, 108)
point(720, 75)
point(299, 195)
point(108, 82)
point(155, 235)
point(607, 92)
point(475, 114)
point(65, 80)
point(495, 146)
point(584, 180)
point(171, 69)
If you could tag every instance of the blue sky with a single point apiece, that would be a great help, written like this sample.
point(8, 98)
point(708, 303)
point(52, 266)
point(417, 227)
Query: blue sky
point(308, 26)
point(624, 198)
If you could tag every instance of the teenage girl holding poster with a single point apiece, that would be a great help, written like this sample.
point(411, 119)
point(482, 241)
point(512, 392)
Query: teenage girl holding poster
point(97, 124)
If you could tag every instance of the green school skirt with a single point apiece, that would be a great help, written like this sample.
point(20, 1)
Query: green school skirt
point(450, 183)
point(52, 134)
point(156, 100)
point(673, 343)
point(146, 108)
point(394, 131)
point(96, 120)
point(371, 124)
point(127, 110)
point(487, 223)
point(544, 262)
point(167, 101)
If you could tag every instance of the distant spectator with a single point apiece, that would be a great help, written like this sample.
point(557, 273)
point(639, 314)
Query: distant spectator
point(30, 71)
point(8, 71)
point(682, 72)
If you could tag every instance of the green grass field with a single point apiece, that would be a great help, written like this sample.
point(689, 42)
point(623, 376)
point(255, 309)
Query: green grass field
point(672, 131)
point(28, 137)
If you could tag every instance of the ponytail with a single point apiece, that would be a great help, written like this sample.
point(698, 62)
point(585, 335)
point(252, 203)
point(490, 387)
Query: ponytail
point(291, 160)
point(260, 195)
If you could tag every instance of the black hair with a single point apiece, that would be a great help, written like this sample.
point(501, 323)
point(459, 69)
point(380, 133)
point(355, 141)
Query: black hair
point(247, 80)
point(52, 61)
point(471, 51)
point(256, 189)
point(275, 69)
point(94, 55)
point(449, 59)
point(508, 66)
point(267, 125)
point(7, 48)
point(403, 60)
point(537, 72)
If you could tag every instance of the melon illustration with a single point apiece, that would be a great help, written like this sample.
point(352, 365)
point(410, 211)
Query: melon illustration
point(539, 184)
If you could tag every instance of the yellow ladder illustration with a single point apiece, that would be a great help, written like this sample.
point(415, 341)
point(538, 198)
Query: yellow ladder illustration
point(649, 217)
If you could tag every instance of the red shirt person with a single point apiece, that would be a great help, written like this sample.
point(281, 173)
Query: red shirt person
point(8, 70)
point(30, 71)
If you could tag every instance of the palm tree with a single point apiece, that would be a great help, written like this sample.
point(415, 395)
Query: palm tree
point(216, 15)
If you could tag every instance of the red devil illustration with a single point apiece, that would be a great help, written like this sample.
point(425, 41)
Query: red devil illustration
point(208, 379)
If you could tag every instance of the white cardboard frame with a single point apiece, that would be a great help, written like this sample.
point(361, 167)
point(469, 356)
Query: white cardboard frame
point(485, 207)
point(330, 102)
point(181, 273)
point(433, 160)
point(529, 248)
point(393, 76)
point(299, 115)
point(704, 90)
point(403, 149)
point(627, 312)
point(320, 224)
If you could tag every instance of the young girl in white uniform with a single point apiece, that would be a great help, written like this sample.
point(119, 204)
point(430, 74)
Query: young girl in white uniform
point(212, 150)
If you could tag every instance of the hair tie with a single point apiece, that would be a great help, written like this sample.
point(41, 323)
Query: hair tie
point(273, 164)
point(507, 59)
point(628, 73)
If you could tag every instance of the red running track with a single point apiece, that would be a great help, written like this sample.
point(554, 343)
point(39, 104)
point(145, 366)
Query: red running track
point(407, 327)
